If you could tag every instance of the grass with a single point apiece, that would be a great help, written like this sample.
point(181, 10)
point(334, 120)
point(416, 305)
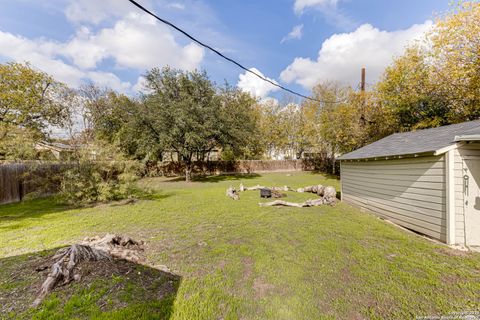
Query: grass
point(237, 260)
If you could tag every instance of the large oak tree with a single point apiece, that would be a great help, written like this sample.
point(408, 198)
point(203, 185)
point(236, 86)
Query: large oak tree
point(180, 112)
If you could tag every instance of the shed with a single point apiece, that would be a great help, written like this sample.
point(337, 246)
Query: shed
point(425, 180)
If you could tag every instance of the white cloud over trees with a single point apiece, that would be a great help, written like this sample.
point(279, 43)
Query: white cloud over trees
point(341, 56)
point(249, 82)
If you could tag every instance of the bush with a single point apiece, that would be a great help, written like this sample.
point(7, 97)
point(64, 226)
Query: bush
point(88, 181)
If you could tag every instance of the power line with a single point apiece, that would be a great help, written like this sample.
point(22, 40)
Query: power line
point(225, 57)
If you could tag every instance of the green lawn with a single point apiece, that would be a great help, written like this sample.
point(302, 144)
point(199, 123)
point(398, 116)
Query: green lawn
point(235, 259)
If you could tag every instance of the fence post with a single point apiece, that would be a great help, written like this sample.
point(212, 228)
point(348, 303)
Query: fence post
point(20, 190)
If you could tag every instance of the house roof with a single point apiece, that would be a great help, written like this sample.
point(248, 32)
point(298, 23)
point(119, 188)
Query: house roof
point(416, 142)
point(55, 146)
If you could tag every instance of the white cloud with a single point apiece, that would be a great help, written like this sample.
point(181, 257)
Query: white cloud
point(330, 11)
point(176, 5)
point(109, 80)
point(343, 55)
point(42, 54)
point(138, 41)
point(96, 11)
point(296, 33)
point(84, 52)
point(249, 82)
point(301, 5)
point(134, 42)
point(140, 86)
point(39, 53)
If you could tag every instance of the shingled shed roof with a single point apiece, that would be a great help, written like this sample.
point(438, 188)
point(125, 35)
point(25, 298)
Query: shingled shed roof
point(417, 142)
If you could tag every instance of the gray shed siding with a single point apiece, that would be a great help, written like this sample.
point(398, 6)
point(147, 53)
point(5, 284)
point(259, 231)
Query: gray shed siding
point(471, 150)
point(410, 192)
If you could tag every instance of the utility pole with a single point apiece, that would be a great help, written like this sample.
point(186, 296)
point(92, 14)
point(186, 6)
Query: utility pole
point(362, 83)
point(362, 92)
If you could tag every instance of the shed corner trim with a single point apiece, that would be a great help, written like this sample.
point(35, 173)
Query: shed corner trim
point(450, 195)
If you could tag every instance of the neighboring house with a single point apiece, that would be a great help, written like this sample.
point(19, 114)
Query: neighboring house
point(293, 154)
point(213, 155)
point(60, 151)
point(280, 154)
point(426, 180)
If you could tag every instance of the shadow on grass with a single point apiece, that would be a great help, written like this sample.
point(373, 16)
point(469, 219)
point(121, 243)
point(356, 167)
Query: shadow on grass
point(153, 195)
point(30, 209)
point(326, 175)
point(37, 208)
point(217, 178)
point(115, 289)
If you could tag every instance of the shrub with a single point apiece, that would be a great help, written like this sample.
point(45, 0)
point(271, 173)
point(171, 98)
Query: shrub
point(88, 181)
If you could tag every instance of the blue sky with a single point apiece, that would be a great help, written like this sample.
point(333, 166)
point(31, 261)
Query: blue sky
point(297, 43)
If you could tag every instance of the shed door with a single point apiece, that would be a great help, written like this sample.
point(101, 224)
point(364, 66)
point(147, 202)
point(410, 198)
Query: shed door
point(472, 202)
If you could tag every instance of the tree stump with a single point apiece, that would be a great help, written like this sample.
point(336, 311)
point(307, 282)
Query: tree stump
point(63, 270)
point(232, 193)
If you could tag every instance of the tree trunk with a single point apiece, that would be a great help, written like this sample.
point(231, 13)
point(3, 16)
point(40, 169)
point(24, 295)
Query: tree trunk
point(188, 172)
point(313, 189)
point(232, 193)
point(258, 187)
point(65, 270)
point(333, 160)
point(327, 197)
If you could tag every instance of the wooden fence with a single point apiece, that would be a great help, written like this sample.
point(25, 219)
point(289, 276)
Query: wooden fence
point(20, 179)
point(227, 167)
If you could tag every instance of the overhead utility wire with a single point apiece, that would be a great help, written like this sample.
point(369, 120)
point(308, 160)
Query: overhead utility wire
point(135, 3)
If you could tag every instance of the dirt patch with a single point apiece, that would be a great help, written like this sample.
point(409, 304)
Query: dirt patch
point(355, 315)
point(453, 252)
point(19, 282)
point(346, 275)
point(237, 242)
point(222, 264)
point(343, 297)
point(262, 287)
point(450, 279)
point(247, 263)
point(242, 282)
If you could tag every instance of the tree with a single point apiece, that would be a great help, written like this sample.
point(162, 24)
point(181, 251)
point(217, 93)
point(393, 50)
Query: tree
point(18, 144)
point(375, 121)
point(182, 113)
point(332, 113)
point(454, 55)
point(273, 136)
point(436, 82)
point(31, 102)
point(311, 112)
point(407, 90)
point(342, 121)
point(30, 99)
point(293, 122)
point(186, 114)
point(115, 118)
point(241, 133)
